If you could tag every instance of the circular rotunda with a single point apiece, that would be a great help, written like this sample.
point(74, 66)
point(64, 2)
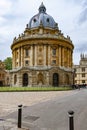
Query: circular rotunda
point(42, 55)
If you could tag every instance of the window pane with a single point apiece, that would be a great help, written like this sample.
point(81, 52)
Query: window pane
point(54, 52)
point(26, 52)
point(83, 75)
point(83, 81)
point(53, 61)
point(26, 62)
point(83, 69)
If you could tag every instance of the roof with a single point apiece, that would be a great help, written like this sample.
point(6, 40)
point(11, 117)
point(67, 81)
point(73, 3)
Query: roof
point(42, 18)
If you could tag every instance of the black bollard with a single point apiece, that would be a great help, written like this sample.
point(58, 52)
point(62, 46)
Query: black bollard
point(19, 115)
point(71, 122)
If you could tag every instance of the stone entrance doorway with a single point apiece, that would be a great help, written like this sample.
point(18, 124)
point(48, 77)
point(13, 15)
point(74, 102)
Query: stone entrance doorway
point(25, 79)
point(1, 83)
point(55, 79)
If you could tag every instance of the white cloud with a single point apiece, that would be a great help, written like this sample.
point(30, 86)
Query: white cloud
point(5, 6)
point(15, 14)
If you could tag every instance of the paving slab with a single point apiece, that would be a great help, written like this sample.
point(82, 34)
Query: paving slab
point(10, 102)
point(15, 128)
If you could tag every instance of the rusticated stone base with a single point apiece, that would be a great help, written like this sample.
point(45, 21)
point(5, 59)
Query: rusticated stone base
point(44, 77)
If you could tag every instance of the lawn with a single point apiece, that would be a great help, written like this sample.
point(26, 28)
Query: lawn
point(27, 89)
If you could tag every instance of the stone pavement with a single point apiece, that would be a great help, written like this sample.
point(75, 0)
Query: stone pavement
point(9, 102)
point(6, 125)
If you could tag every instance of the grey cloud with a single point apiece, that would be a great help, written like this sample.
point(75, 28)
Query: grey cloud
point(83, 16)
point(75, 1)
point(84, 3)
point(81, 47)
point(9, 16)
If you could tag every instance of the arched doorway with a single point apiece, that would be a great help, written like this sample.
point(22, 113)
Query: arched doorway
point(55, 79)
point(1, 83)
point(25, 79)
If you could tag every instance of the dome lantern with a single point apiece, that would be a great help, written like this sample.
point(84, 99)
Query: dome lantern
point(42, 8)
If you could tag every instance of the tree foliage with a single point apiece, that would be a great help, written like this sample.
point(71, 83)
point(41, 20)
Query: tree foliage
point(8, 63)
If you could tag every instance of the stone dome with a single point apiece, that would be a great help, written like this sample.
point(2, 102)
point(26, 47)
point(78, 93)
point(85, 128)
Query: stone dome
point(42, 18)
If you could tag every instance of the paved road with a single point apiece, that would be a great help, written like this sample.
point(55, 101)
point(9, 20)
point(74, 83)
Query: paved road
point(53, 114)
point(9, 102)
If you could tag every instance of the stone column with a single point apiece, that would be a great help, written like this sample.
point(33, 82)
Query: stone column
point(65, 57)
point(31, 56)
point(44, 55)
point(35, 55)
point(22, 56)
point(49, 53)
point(19, 57)
point(71, 59)
point(62, 53)
point(59, 55)
point(68, 57)
point(14, 58)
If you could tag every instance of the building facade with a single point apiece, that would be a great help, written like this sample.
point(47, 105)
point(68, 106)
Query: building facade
point(81, 71)
point(4, 75)
point(42, 56)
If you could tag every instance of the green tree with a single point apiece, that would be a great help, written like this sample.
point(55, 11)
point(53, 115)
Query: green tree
point(8, 63)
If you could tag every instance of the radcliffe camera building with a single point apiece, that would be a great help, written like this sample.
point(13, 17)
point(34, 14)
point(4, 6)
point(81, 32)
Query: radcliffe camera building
point(42, 56)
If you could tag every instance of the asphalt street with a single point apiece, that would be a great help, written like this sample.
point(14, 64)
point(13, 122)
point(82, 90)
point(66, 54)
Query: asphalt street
point(53, 114)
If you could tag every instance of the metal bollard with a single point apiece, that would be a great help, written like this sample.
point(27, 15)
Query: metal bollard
point(19, 115)
point(71, 121)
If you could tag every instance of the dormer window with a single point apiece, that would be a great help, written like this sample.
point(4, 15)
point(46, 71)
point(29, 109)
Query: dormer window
point(48, 20)
point(35, 20)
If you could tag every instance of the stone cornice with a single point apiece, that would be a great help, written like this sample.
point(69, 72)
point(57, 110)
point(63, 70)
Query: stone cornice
point(41, 37)
point(43, 68)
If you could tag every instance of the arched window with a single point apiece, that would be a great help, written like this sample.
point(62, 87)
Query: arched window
point(25, 79)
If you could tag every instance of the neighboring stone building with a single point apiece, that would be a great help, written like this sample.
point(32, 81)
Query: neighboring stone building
point(4, 75)
point(42, 56)
point(81, 71)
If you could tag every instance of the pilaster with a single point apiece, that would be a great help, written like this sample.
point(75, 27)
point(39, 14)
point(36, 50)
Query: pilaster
point(31, 56)
point(22, 56)
point(49, 53)
point(35, 55)
point(44, 55)
point(59, 55)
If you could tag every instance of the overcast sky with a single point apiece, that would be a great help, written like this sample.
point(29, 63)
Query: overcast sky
point(71, 16)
